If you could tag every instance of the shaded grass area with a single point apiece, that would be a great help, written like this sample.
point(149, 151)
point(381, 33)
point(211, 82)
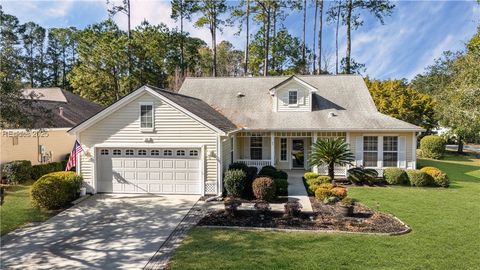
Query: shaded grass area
point(17, 209)
point(445, 223)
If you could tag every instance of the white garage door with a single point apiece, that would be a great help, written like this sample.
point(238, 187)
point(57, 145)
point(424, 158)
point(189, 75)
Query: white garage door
point(142, 170)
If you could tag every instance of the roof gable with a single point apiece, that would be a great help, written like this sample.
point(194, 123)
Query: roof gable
point(209, 117)
point(340, 102)
point(294, 79)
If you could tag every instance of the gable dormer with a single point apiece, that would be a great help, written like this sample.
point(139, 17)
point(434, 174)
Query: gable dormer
point(293, 94)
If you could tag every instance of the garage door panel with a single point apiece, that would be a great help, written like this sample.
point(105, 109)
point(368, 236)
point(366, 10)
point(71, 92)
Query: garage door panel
point(193, 164)
point(167, 164)
point(134, 173)
point(154, 164)
point(193, 176)
point(142, 176)
point(180, 164)
point(117, 163)
point(129, 163)
point(154, 176)
point(180, 176)
point(167, 176)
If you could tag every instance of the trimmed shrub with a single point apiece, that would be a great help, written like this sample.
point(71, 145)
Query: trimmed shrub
point(238, 166)
point(17, 171)
point(281, 187)
point(292, 209)
point(264, 188)
point(251, 174)
point(324, 193)
point(280, 175)
point(40, 170)
point(322, 179)
point(432, 146)
point(340, 192)
point(310, 175)
point(360, 175)
point(395, 176)
point(438, 176)
point(315, 186)
point(55, 190)
point(268, 171)
point(418, 178)
point(235, 182)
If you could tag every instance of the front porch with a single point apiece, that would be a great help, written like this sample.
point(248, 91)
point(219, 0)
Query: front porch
point(283, 150)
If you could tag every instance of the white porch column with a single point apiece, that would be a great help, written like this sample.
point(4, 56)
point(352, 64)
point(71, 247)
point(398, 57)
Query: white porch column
point(272, 148)
point(314, 140)
point(234, 147)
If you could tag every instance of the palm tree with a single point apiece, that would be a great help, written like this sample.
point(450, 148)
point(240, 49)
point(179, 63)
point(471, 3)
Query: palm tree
point(331, 152)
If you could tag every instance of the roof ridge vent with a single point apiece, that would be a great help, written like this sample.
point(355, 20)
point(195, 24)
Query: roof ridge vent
point(331, 114)
point(240, 94)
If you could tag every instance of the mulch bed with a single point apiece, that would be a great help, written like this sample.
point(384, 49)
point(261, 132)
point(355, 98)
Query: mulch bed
point(324, 217)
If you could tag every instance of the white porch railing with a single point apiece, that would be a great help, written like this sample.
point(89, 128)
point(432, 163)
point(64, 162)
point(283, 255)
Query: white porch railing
point(338, 170)
point(255, 163)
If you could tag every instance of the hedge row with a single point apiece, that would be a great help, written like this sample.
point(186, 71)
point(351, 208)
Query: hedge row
point(428, 176)
point(19, 171)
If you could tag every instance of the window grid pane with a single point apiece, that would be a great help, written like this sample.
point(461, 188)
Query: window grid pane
point(292, 97)
point(256, 148)
point(283, 149)
point(370, 159)
point(146, 116)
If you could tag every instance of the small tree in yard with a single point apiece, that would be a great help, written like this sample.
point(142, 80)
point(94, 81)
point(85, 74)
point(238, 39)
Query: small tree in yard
point(331, 152)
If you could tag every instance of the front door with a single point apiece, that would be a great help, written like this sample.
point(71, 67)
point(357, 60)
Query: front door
point(298, 153)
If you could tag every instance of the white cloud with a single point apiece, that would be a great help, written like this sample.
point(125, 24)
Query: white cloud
point(156, 12)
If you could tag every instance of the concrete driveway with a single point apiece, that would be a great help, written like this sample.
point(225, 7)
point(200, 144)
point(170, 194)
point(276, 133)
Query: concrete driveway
point(102, 232)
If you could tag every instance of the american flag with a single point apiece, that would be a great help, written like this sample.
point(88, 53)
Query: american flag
point(72, 161)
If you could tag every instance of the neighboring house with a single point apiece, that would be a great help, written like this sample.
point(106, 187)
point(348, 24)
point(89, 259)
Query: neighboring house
point(48, 140)
point(163, 142)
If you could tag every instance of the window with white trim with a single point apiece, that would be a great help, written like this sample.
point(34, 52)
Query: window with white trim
point(154, 152)
point(104, 152)
point(283, 149)
point(390, 151)
point(167, 152)
point(146, 116)
point(193, 153)
point(129, 152)
point(256, 148)
point(370, 151)
point(117, 152)
point(142, 152)
point(181, 153)
point(292, 97)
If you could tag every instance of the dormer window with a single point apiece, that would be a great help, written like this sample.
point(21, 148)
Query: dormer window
point(292, 97)
point(146, 116)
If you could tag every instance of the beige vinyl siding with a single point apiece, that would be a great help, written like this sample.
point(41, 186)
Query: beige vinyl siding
point(226, 148)
point(171, 127)
point(56, 141)
point(282, 93)
point(409, 136)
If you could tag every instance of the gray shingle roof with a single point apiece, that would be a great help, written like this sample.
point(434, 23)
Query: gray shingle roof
point(75, 108)
point(198, 108)
point(345, 95)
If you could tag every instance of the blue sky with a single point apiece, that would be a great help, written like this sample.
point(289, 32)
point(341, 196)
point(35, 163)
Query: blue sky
point(416, 33)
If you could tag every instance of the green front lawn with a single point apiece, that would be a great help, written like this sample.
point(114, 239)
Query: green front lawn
point(445, 223)
point(17, 209)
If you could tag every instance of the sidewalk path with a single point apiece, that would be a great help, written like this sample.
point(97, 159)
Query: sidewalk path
point(296, 190)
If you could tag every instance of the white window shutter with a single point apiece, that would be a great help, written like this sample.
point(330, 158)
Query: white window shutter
point(301, 98)
point(359, 150)
point(402, 149)
point(285, 98)
point(265, 147)
point(246, 147)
